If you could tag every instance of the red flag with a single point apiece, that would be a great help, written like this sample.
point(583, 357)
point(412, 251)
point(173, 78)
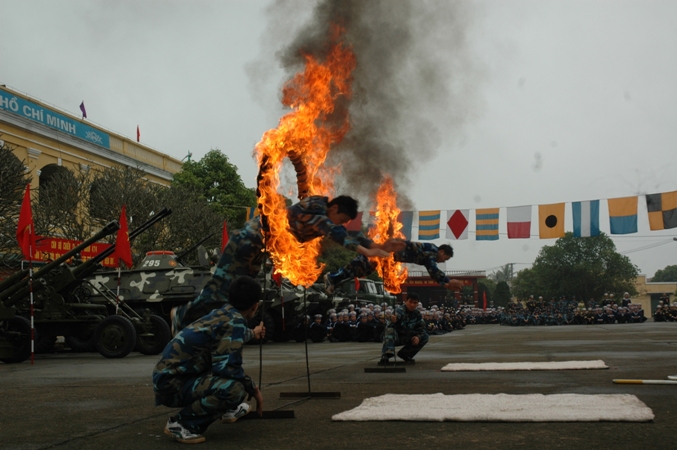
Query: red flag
point(355, 224)
point(357, 284)
point(138, 134)
point(25, 231)
point(277, 277)
point(484, 300)
point(224, 236)
point(123, 250)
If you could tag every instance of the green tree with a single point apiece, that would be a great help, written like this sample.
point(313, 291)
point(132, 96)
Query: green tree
point(525, 284)
point(502, 294)
point(668, 274)
point(334, 256)
point(505, 273)
point(218, 181)
point(486, 285)
point(584, 267)
point(13, 181)
point(62, 194)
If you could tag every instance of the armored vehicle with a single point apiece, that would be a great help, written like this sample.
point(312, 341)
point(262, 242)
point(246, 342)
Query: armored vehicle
point(368, 291)
point(158, 283)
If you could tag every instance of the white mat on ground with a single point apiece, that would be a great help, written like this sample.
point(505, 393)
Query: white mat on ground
point(545, 365)
point(500, 408)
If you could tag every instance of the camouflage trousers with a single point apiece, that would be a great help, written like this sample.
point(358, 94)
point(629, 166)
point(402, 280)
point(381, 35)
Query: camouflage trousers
point(358, 267)
point(243, 255)
point(392, 338)
point(204, 399)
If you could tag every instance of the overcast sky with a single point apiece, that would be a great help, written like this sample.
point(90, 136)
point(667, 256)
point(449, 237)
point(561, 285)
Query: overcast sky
point(541, 101)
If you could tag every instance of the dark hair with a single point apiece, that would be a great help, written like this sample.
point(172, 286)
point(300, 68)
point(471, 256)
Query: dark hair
point(346, 205)
point(412, 296)
point(446, 248)
point(244, 292)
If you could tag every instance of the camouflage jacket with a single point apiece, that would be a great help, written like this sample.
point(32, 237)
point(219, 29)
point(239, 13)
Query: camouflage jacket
point(210, 345)
point(423, 254)
point(408, 323)
point(308, 220)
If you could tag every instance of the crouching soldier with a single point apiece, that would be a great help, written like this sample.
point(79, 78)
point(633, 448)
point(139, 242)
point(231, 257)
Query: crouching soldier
point(406, 328)
point(201, 368)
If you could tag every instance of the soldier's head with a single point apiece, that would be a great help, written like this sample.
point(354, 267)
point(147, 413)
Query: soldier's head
point(342, 209)
point(411, 303)
point(444, 252)
point(244, 294)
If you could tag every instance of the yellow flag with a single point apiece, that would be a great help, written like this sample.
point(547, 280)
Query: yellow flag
point(551, 221)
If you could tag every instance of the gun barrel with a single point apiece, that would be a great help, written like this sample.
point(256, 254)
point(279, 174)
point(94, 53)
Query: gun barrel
point(110, 228)
point(15, 277)
point(89, 266)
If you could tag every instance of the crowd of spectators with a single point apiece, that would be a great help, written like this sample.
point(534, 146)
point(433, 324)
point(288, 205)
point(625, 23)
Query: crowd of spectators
point(368, 323)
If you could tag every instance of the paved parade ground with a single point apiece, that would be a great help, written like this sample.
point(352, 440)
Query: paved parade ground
point(84, 401)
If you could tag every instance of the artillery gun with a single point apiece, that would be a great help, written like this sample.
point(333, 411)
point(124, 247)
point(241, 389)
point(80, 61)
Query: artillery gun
point(60, 309)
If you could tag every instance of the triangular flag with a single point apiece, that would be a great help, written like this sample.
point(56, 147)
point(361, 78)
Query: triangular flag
point(224, 236)
point(457, 224)
point(123, 249)
point(84, 111)
point(551, 221)
point(25, 230)
point(138, 134)
point(519, 222)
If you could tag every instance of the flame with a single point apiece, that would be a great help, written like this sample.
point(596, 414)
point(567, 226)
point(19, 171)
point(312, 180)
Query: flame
point(305, 136)
point(387, 226)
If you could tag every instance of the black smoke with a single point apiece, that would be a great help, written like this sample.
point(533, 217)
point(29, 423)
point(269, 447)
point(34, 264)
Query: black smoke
point(413, 87)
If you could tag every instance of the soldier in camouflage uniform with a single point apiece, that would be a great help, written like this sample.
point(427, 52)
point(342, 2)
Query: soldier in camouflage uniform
point(407, 328)
point(310, 218)
point(424, 254)
point(201, 368)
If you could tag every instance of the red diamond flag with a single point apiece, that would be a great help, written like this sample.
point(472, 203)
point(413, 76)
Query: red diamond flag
point(457, 225)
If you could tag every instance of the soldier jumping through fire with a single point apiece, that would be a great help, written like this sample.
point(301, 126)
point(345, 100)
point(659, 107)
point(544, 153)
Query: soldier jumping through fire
point(312, 217)
point(424, 254)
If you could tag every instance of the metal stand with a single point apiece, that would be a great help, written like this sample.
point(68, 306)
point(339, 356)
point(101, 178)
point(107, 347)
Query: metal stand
point(274, 414)
point(308, 394)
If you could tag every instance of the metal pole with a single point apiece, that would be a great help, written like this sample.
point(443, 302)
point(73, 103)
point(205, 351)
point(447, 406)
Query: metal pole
point(305, 313)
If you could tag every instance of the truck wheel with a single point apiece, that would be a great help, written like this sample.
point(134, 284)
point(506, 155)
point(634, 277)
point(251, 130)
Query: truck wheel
point(151, 338)
point(44, 344)
point(17, 331)
point(83, 340)
point(115, 337)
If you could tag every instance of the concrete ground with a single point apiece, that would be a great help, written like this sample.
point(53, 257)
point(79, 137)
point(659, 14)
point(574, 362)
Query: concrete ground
point(84, 401)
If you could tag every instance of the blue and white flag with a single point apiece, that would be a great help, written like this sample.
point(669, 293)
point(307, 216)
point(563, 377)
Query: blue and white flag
point(586, 218)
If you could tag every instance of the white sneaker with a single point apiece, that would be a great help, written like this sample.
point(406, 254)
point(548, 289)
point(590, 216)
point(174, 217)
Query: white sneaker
point(234, 414)
point(181, 433)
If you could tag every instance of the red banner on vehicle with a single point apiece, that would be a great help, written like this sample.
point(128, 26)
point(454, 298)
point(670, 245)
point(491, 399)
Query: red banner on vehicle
point(53, 248)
